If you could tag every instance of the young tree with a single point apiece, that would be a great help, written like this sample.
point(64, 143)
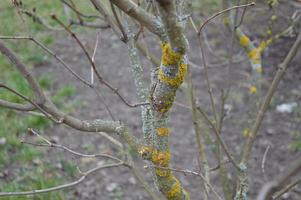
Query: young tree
point(166, 20)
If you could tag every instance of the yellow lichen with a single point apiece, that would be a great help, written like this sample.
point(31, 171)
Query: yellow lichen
point(246, 132)
point(259, 69)
point(177, 80)
point(187, 195)
point(254, 54)
point(169, 57)
point(163, 131)
point(164, 110)
point(226, 20)
point(161, 158)
point(263, 45)
point(253, 89)
point(256, 61)
point(174, 191)
point(145, 152)
point(244, 41)
point(163, 172)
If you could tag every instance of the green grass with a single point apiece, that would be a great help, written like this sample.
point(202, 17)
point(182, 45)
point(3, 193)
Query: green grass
point(61, 94)
point(14, 156)
point(207, 7)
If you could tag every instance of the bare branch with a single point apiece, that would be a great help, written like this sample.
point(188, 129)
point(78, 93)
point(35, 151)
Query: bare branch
point(285, 190)
point(266, 102)
point(136, 12)
point(100, 78)
point(48, 143)
point(38, 19)
point(279, 182)
point(173, 28)
point(104, 12)
point(59, 59)
point(124, 35)
point(89, 25)
point(264, 159)
point(64, 186)
point(16, 106)
point(25, 73)
point(185, 172)
point(78, 12)
point(50, 110)
point(208, 83)
point(218, 136)
point(35, 105)
point(222, 12)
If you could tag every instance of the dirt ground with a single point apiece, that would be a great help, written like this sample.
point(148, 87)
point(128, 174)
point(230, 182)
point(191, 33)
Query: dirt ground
point(278, 132)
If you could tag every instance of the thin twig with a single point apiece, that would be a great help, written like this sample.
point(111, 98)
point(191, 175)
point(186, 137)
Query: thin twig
point(285, 190)
point(103, 100)
point(41, 98)
point(17, 106)
point(270, 188)
point(111, 139)
point(264, 159)
point(38, 19)
point(48, 143)
point(221, 141)
point(89, 25)
point(100, 78)
point(124, 35)
point(139, 177)
point(221, 12)
point(218, 165)
point(64, 186)
point(31, 102)
point(78, 12)
point(266, 102)
point(199, 134)
point(59, 59)
point(182, 105)
point(241, 18)
point(208, 84)
point(93, 57)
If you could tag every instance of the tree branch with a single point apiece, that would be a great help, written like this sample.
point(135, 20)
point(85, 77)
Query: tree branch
point(139, 14)
point(64, 186)
point(48, 143)
point(266, 102)
point(279, 182)
point(25, 73)
point(17, 106)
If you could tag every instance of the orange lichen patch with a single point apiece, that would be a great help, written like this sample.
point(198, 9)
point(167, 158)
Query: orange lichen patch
point(244, 41)
point(253, 89)
point(169, 57)
point(177, 80)
point(161, 158)
point(163, 131)
point(145, 152)
point(175, 191)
